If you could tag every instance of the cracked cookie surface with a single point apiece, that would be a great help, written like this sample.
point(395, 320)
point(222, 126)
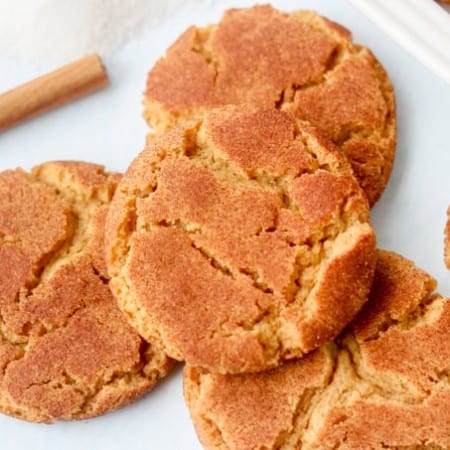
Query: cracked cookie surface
point(240, 240)
point(384, 383)
point(66, 351)
point(300, 62)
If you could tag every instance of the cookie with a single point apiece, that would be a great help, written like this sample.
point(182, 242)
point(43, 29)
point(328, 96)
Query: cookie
point(300, 62)
point(383, 384)
point(240, 240)
point(66, 351)
point(447, 240)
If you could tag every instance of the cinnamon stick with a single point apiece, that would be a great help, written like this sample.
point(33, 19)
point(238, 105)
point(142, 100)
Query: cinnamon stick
point(51, 90)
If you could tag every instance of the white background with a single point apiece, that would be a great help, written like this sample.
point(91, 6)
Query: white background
point(107, 128)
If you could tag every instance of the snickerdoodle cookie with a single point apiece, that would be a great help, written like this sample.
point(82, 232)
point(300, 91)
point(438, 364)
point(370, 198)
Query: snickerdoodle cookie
point(240, 240)
point(300, 62)
point(383, 384)
point(66, 351)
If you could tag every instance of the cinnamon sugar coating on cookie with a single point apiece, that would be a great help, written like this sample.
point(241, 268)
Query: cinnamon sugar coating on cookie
point(255, 411)
point(240, 240)
point(299, 62)
point(66, 352)
point(383, 384)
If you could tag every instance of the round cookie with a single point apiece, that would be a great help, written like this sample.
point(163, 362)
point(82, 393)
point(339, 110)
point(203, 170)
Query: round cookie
point(66, 351)
point(300, 62)
point(240, 240)
point(383, 384)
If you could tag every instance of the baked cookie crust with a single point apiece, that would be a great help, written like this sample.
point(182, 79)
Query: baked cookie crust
point(240, 240)
point(66, 352)
point(299, 62)
point(382, 384)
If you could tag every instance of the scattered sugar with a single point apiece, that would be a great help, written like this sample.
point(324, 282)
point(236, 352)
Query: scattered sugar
point(58, 31)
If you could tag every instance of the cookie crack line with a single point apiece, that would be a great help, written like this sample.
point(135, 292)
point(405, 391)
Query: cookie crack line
point(200, 48)
point(193, 230)
point(102, 278)
point(215, 163)
point(125, 255)
point(252, 275)
point(69, 380)
point(286, 99)
point(8, 239)
point(413, 319)
point(287, 95)
point(4, 340)
point(46, 266)
point(364, 383)
point(219, 436)
point(40, 328)
point(313, 406)
point(303, 407)
point(203, 36)
point(224, 169)
point(118, 376)
point(401, 392)
point(217, 431)
point(138, 371)
point(68, 248)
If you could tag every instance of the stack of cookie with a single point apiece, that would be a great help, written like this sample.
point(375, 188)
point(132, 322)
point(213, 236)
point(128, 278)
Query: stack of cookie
point(239, 241)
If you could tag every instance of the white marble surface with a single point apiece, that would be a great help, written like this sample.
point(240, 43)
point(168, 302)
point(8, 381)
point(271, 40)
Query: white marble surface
point(107, 128)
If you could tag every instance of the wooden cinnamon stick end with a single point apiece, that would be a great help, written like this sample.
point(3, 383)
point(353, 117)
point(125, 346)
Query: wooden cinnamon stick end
point(51, 90)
